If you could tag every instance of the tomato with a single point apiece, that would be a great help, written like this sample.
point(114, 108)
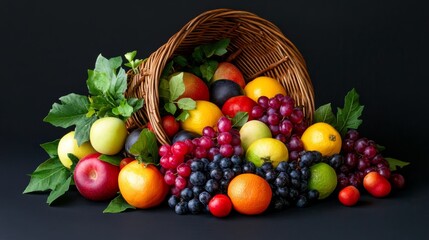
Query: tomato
point(349, 196)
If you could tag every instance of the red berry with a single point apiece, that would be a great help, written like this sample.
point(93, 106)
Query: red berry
point(349, 196)
point(220, 205)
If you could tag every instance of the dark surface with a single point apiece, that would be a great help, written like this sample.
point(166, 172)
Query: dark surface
point(378, 47)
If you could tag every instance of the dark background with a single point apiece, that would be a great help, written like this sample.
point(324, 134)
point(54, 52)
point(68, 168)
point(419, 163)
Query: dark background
point(378, 47)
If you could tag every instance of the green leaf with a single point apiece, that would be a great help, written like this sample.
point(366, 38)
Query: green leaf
point(348, 117)
point(135, 103)
point(176, 86)
point(239, 119)
point(115, 62)
point(395, 164)
point(170, 108)
point(324, 114)
point(47, 176)
point(72, 110)
point(196, 71)
point(168, 69)
point(183, 116)
point(186, 104)
point(74, 160)
point(98, 82)
point(123, 109)
point(59, 190)
point(198, 54)
point(130, 55)
point(146, 148)
point(380, 148)
point(51, 148)
point(112, 159)
point(118, 84)
point(164, 90)
point(180, 60)
point(82, 129)
point(220, 46)
point(117, 205)
point(208, 69)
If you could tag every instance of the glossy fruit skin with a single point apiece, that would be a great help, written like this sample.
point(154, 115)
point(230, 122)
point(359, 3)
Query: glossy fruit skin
point(267, 149)
point(131, 139)
point(220, 205)
point(227, 70)
point(142, 185)
point(182, 135)
point(323, 138)
point(376, 185)
point(195, 88)
point(108, 135)
point(170, 125)
point(222, 90)
point(95, 179)
point(263, 86)
point(238, 104)
point(68, 144)
point(349, 196)
point(205, 114)
point(252, 131)
point(124, 162)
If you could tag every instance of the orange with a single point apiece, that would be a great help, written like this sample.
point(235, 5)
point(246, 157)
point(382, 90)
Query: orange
point(205, 114)
point(142, 185)
point(323, 138)
point(249, 193)
point(263, 86)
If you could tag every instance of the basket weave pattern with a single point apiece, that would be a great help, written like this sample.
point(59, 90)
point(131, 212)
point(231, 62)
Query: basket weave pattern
point(257, 48)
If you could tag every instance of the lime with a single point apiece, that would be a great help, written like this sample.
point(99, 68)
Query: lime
point(323, 179)
point(267, 150)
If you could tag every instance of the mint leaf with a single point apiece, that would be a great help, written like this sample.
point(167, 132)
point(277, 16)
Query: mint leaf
point(72, 109)
point(208, 69)
point(176, 86)
point(239, 119)
point(145, 148)
point(395, 164)
point(118, 84)
point(47, 176)
point(348, 117)
point(98, 82)
point(183, 116)
point(51, 148)
point(123, 109)
point(59, 190)
point(112, 159)
point(170, 108)
point(187, 104)
point(324, 114)
point(82, 129)
point(117, 205)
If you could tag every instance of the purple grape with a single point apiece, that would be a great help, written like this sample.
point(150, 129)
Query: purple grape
point(264, 119)
point(209, 132)
point(362, 164)
point(206, 142)
point(286, 109)
point(352, 134)
point(295, 143)
point(348, 145)
point(238, 150)
point(286, 127)
point(273, 119)
point(224, 138)
point(297, 115)
point(300, 128)
point(397, 180)
point(235, 140)
point(226, 150)
point(351, 160)
point(377, 159)
point(370, 169)
point(360, 145)
point(280, 97)
point(224, 124)
point(263, 101)
point(271, 111)
point(212, 152)
point(370, 152)
point(281, 137)
point(274, 103)
point(385, 172)
point(293, 155)
point(343, 182)
point(274, 129)
point(257, 112)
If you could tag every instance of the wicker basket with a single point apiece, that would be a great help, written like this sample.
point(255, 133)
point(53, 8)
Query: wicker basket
point(257, 48)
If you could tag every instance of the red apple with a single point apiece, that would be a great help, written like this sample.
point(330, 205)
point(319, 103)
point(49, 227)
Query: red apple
point(229, 71)
point(376, 185)
point(238, 104)
point(95, 179)
point(195, 88)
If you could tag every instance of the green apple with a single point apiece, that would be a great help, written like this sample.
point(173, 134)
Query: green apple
point(68, 144)
point(108, 135)
point(252, 131)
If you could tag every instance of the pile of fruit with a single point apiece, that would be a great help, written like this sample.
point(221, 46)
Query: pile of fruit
point(234, 145)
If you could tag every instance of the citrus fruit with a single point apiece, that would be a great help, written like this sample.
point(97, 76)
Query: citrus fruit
point(267, 150)
point(142, 185)
point(263, 86)
point(204, 114)
point(68, 144)
point(323, 179)
point(323, 138)
point(249, 193)
point(252, 131)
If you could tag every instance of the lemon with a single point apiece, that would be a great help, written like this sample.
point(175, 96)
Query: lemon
point(323, 138)
point(267, 150)
point(263, 86)
point(68, 144)
point(204, 114)
point(323, 179)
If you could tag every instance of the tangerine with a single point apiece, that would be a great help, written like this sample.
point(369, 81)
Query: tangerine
point(142, 185)
point(263, 86)
point(249, 193)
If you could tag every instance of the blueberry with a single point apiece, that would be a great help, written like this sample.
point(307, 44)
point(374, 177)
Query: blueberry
point(211, 186)
point(267, 166)
point(173, 201)
point(195, 206)
point(304, 186)
point(307, 159)
point(197, 178)
point(305, 173)
point(217, 158)
point(313, 195)
point(181, 208)
point(197, 190)
point(236, 160)
point(204, 197)
point(302, 201)
point(270, 175)
point(336, 161)
point(282, 192)
point(280, 181)
point(237, 170)
point(260, 172)
point(295, 174)
point(249, 167)
point(224, 184)
point(187, 194)
point(317, 156)
point(205, 161)
point(228, 173)
point(282, 167)
point(225, 163)
point(212, 165)
point(293, 193)
point(292, 165)
point(295, 183)
point(197, 165)
point(216, 174)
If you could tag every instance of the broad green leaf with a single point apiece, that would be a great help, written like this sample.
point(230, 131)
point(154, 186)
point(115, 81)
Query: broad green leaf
point(112, 159)
point(102, 64)
point(198, 54)
point(208, 69)
point(220, 46)
point(170, 108)
point(59, 190)
point(135, 103)
point(51, 148)
point(74, 160)
point(118, 84)
point(47, 176)
point(180, 60)
point(164, 90)
point(395, 164)
point(146, 148)
point(196, 70)
point(186, 104)
point(98, 82)
point(117, 205)
point(208, 49)
point(239, 119)
point(324, 114)
point(348, 117)
point(82, 129)
point(123, 109)
point(177, 86)
point(72, 109)
point(115, 62)
point(183, 116)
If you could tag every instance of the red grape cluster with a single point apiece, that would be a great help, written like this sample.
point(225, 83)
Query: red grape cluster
point(285, 120)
